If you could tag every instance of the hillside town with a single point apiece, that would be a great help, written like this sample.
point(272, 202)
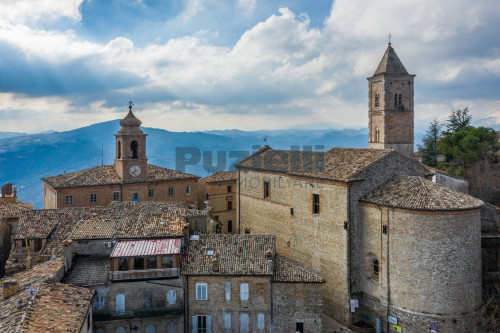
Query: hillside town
point(371, 240)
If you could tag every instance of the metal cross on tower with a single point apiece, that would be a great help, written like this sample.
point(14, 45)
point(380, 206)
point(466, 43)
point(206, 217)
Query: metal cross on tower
point(390, 38)
point(130, 105)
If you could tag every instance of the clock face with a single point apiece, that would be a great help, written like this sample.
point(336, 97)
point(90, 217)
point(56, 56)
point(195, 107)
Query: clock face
point(135, 170)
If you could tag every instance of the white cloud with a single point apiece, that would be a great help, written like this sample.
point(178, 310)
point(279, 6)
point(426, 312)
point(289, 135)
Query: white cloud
point(22, 11)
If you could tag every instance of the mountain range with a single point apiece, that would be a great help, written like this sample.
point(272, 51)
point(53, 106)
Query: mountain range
point(26, 158)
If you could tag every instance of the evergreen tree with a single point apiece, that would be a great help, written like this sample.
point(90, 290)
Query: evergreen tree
point(429, 149)
point(458, 119)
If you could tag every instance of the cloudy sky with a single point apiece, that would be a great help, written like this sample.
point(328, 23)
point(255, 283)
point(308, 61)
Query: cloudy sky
point(193, 65)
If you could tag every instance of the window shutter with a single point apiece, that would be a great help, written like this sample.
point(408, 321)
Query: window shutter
point(171, 297)
point(120, 303)
point(228, 291)
point(195, 324)
point(209, 324)
point(227, 320)
point(260, 321)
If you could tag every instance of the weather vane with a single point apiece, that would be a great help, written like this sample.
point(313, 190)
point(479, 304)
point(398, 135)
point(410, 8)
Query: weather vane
point(130, 105)
point(390, 38)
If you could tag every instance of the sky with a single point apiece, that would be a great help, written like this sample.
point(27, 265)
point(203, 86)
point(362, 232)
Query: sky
point(195, 65)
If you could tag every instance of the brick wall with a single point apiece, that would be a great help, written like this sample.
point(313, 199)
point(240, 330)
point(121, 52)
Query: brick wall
point(219, 196)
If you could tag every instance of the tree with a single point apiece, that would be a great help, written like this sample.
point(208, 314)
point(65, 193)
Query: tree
point(429, 150)
point(458, 119)
point(468, 145)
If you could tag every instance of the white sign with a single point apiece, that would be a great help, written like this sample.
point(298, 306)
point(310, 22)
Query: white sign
point(354, 303)
point(392, 320)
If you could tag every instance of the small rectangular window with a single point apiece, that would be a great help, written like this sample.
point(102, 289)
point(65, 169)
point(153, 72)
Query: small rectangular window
point(291, 211)
point(201, 292)
point(227, 321)
point(116, 196)
point(135, 196)
point(151, 192)
point(171, 297)
point(69, 200)
point(261, 321)
point(166, 262)
point(170, 191)
point(244, 323)
point(99, 302)
point(93, 198)
point(210, 252)
point(244, 292)
point(188, 189)
point(315, 203)
point(138, 263)
point(152, 263)
point(229, 226)
point(123, 264)
point(229, 205)
point(228, 291)
point(206, 196)
point(266, 189)
point(229, 189)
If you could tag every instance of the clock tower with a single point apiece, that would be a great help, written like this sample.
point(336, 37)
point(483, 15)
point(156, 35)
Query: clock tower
point(131, 163)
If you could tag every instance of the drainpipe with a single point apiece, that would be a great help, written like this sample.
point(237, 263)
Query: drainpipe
point(388, 264)
point(349, 249)
point(239, 202)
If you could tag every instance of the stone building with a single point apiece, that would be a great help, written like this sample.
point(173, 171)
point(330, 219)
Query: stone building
point(10, 209)
point(361, 219)
point(219, 190)
point(130, 178)
point(35, 301)
point(237, 283)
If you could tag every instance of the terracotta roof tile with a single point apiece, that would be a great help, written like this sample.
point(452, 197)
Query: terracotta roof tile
point(88, 271)
point(287, 270)
point(12, 210)
point(106, 175)
point(236, 255)
point(221, 176)
point(412, 192)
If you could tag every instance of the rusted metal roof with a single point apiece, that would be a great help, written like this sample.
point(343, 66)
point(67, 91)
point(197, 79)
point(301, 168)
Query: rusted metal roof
point(146, 247)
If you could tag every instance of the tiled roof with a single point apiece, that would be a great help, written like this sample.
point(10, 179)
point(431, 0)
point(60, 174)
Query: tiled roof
point(336, 164)
point(412, 192)
point(119, 220)
point(106, 175)
point(235, 254)
point(10, 209)
point(146, 247)
point(390, 63)
point(88, 271)
point(221, 177)
point(287, 270)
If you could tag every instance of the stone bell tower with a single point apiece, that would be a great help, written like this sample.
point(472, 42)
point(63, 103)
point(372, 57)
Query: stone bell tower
point(391, 105)
point(130, 160)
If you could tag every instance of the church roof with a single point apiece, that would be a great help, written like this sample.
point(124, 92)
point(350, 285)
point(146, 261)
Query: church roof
point(390, 63)
point(341, 164)
point(106, 175)
point(130, 124)
point(412, 192)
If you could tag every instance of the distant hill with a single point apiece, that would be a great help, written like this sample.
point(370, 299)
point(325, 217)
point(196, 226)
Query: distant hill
point(24, 159)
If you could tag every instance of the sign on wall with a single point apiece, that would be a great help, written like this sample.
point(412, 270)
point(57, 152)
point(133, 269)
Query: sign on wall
point(353, 303)
point(397, 328)
point(434, 328)
point(392, 320)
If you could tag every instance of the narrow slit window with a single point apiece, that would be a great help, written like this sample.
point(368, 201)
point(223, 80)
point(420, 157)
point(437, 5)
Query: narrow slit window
point(315, 203)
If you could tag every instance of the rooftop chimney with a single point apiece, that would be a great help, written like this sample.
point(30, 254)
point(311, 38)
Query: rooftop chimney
point(185, 231)
point(10, 288)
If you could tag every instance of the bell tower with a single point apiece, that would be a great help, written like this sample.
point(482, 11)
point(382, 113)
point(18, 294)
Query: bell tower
point(390, 103)
point(130, 160)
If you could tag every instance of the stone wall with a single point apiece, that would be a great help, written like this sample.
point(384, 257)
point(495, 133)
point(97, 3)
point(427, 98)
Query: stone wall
point(219, 195)
point(297, 303)
point(317, 241)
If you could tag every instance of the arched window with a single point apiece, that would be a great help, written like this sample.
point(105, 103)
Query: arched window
point(377, 136)
point(400, 100)
point(119, 150)
point(377, 100)
point(375, 268)
point(133, 149)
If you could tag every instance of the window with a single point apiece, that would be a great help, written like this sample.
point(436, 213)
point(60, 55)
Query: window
point(261, 321)
point(229, 205)
point(266, 189)
point(188, 189)
point(99, 330)
point(395, 99)
point(93, 198)
point(119, 153)
point(150, 328)
point(315, 203)
point(244, 323)
point(123, 264)
point(201, 291)
point(229, 226)
point(377, 100)
point(152, 263)
point(170, 191)
point(210, 252)
point(202, 324)
point(120, 330)
point(116, 196)
point(171, 297)
point(375, 268)
point(151, 192)
point(37, 244)
point(229, 189)
point(99, 302)
point(291, 210)
point(171, 327)
point(120, 304)
point(377, 136)
point(206, 196)
point(69, 200)
point(166, 262)
point(299, 327)
point(135, 196)
point(138, 263)
point(228, 291)
point(244, 293)
point(133, 149)
point(400, 100)
point(227, 321)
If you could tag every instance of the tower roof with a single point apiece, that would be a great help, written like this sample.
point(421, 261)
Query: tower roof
point(390, 63)
point(130, 123)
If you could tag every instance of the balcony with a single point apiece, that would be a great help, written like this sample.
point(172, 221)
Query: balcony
point(144, 274)
point(100, 315)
